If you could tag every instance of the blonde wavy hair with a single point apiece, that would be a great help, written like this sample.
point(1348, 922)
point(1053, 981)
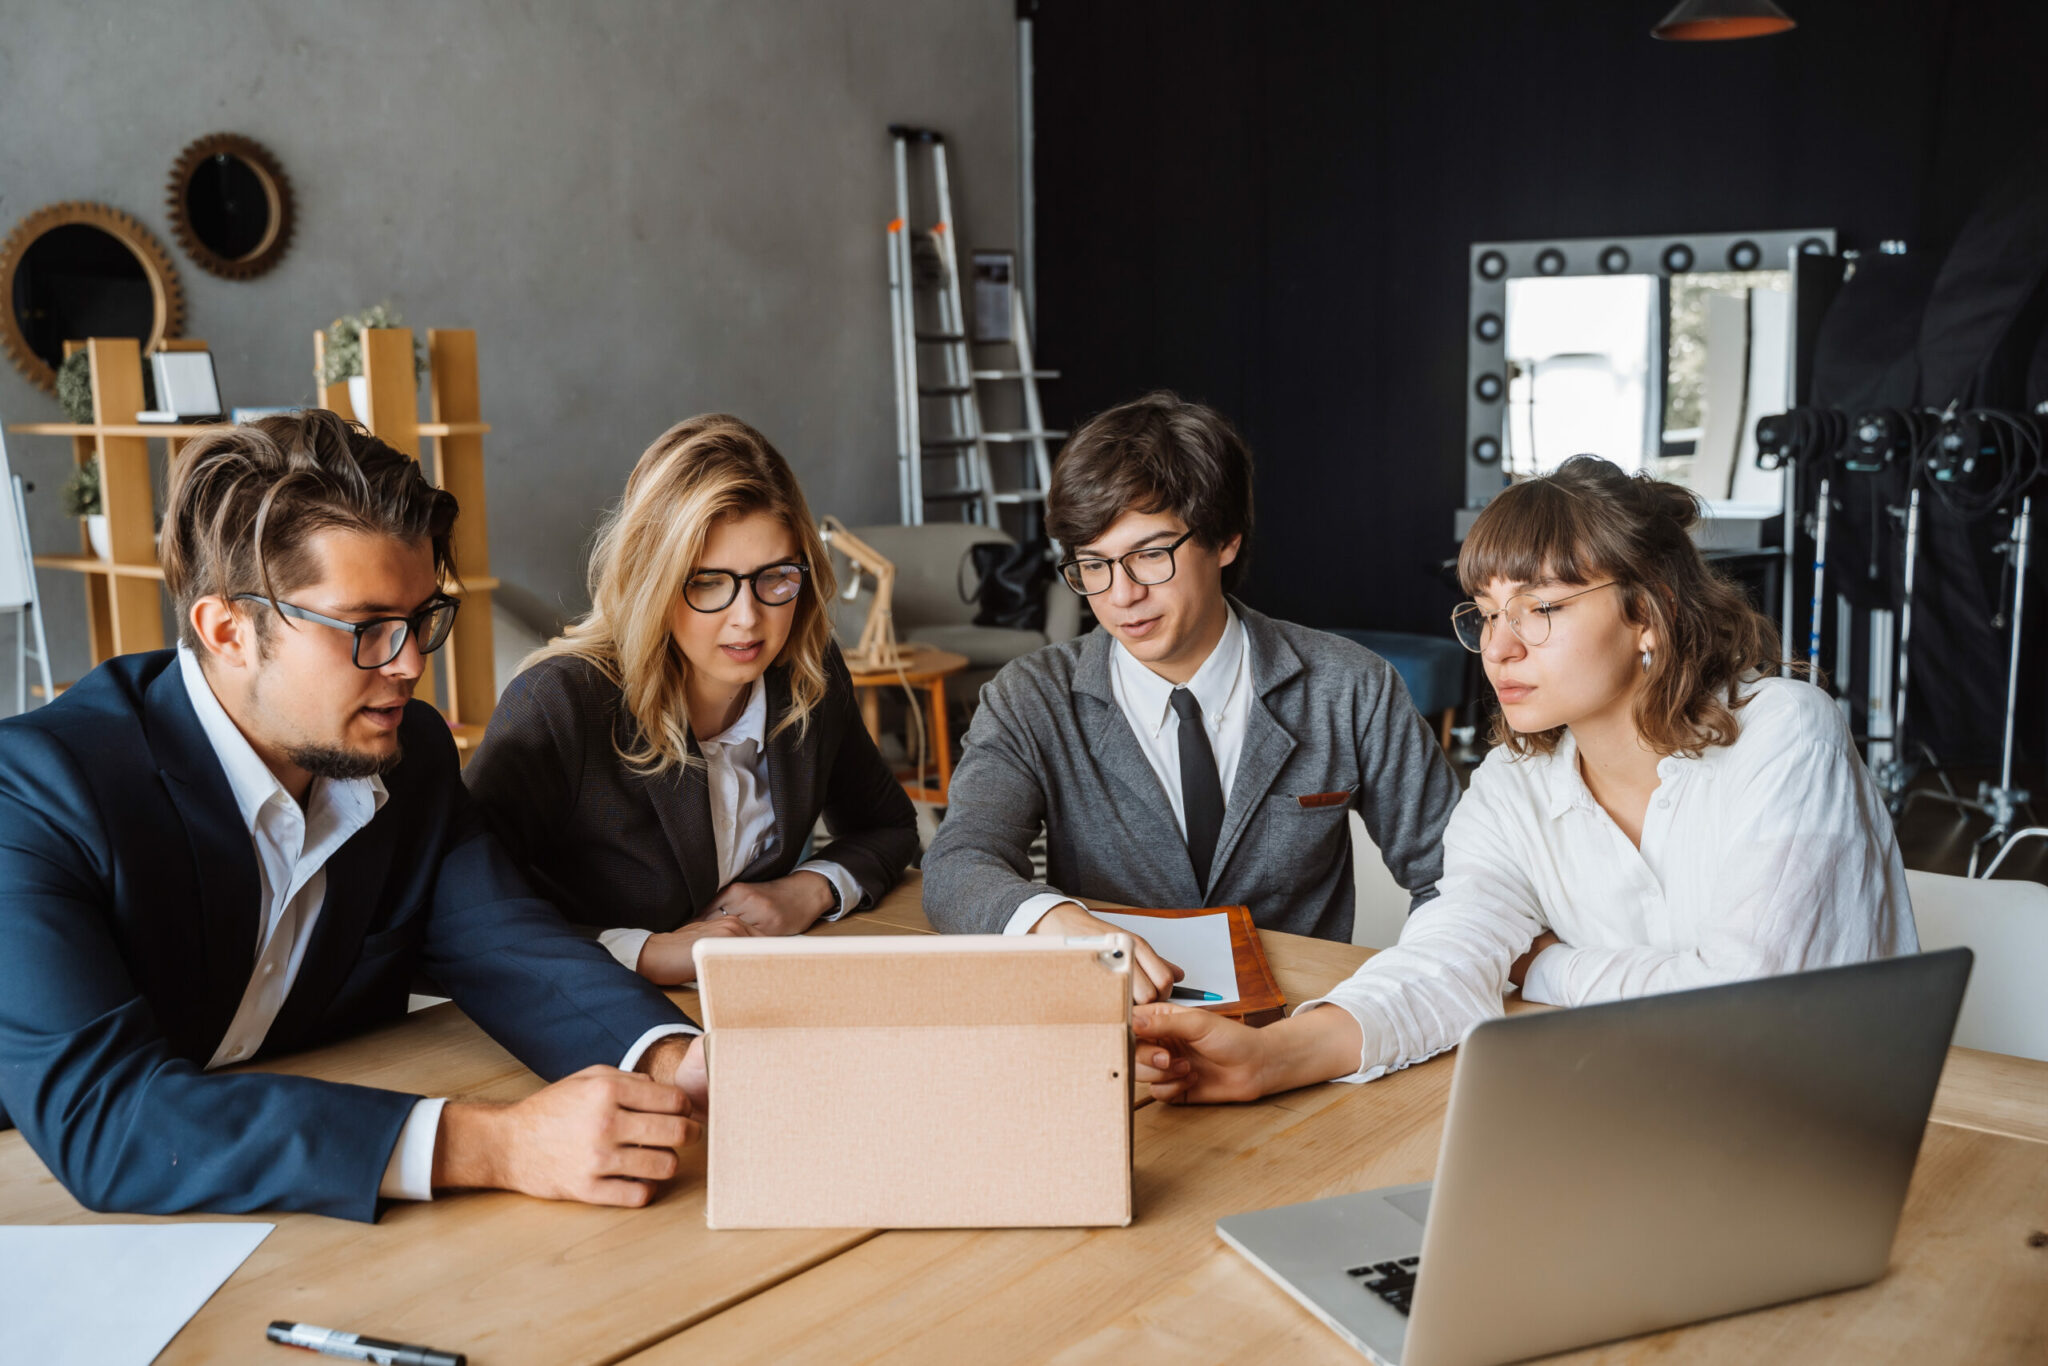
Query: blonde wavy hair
point(1589, 522)
point(696, 473)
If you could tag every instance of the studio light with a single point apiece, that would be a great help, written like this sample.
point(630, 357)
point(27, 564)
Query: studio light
point(1614, 260)
point(1744, 255)
point(1550, 261)
point(1713, 20)
point(1488, 328)
point(1489, 388)
point(1486, 450)
point(1677, 258)
point(1492, 266)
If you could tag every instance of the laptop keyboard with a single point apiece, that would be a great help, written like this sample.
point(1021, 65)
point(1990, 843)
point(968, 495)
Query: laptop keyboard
point(1393, 1282)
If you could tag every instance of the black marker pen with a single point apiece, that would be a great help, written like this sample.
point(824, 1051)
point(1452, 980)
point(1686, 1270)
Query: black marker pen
point(356, 1347)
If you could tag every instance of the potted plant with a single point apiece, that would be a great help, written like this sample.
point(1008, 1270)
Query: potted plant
point(82, 500)
point(341, 357)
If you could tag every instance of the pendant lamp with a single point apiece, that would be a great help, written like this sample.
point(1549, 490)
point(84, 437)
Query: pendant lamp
point(1710, 20)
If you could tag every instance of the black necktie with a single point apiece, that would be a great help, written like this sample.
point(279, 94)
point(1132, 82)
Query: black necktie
point(1201, 794)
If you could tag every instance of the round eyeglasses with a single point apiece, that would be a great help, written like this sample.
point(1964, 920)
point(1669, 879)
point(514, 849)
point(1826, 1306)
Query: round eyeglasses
point(1527, 615)
point(1091, 574)
point(378, 641)
point(713, 590)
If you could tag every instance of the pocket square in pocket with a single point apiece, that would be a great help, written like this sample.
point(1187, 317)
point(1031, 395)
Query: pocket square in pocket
point(1316, 799)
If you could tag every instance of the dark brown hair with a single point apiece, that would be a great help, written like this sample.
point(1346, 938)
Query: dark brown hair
point(1155, 454)
point(1588, 523)
point(245, 500)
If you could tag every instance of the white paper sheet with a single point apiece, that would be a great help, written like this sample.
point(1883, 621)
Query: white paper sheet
point(1198, 945)
point(111, 1294)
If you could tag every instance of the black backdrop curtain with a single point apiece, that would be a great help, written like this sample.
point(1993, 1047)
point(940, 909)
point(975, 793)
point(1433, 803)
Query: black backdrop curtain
point(1267, 207)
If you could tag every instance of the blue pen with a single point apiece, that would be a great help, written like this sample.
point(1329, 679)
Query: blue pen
point(1191, 994)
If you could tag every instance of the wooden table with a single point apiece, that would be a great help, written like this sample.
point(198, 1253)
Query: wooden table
point(509, 1279)
point(927, 671)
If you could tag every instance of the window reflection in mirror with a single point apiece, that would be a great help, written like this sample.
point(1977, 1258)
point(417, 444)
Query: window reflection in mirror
point(1686, 354)
point(1580, 376)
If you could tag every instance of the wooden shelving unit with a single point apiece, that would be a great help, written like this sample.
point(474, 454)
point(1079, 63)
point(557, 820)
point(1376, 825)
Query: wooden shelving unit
point(123, 594)
point(456, 427)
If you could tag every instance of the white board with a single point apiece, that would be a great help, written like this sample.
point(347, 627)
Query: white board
point(16, 584)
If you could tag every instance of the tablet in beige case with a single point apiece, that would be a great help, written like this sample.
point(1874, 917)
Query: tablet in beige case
point(958, 1081)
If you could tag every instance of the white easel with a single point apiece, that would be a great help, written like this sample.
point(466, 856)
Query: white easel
point(18, 585)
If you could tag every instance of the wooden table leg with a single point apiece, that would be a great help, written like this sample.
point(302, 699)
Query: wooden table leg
point(942, 747)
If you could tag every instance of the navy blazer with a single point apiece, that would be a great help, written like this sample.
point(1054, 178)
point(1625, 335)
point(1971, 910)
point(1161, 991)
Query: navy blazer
point(129, 923)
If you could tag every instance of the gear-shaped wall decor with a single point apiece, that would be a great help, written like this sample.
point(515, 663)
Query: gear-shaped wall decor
point(167, 296)
point(230, 205)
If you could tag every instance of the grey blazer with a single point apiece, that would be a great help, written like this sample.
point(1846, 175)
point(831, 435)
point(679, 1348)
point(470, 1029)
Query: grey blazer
point(1050, 748)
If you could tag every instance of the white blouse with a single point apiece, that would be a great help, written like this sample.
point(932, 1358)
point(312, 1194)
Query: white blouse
point(1774, 854)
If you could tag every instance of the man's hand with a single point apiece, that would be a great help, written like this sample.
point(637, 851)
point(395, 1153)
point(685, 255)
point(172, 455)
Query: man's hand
point(1151, 976)
point(602, 1136)
point(665, 959)
point(1518, 972)
point(786, 905)
point(1185, 1054)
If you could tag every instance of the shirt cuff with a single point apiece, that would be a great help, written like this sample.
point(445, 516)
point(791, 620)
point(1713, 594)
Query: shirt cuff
point(842, 882)
point(1544, 981)
point(651, 1038)
point(625, 945)
point(409, 1175)
point(1033, 910)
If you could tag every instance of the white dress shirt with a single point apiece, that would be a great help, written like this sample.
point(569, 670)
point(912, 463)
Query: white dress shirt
point(292, 847)
point(742, 818)
point(1770, 855)
point(1223, 687)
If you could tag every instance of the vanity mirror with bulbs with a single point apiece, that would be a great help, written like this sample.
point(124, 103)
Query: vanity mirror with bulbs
point(1658, 353)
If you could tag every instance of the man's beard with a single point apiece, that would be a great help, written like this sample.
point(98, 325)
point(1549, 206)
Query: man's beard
point(332, 761)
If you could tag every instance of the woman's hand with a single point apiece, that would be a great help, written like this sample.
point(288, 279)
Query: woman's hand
point(1185, 1054)
point(666, 960)
point(1518, 971)
point(786, 905)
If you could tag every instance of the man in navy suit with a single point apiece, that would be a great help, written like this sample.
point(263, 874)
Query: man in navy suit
point(252, 843)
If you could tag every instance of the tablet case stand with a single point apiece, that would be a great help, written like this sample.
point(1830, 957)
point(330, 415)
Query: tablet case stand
point(964, 1081)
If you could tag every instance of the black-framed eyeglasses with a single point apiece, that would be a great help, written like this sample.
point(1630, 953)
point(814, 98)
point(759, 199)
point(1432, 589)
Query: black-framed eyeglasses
point(1091, 574)
point(378, 641)
point(713, 590)
point(1527, 615)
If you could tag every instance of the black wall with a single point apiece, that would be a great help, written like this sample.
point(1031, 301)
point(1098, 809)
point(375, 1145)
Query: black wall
point(1268, 206)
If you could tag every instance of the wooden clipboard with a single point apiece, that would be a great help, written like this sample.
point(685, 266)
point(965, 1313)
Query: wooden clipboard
point(1259, 1001)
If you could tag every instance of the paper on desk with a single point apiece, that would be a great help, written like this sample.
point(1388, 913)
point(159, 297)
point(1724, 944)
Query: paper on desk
point(110, 1294)
point(1198, 945)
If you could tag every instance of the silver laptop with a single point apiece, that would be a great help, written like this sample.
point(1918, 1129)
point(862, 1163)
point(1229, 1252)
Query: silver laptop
point(1622, 1168)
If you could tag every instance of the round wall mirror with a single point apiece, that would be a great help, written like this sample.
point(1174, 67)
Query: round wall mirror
point(231, 206)
point(72, 271)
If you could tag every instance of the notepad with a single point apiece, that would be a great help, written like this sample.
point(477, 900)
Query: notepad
point(1199, 945)
point(110, 1294)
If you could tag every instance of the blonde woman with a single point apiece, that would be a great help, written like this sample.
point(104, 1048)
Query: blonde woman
point(1659, 814)
point(659, 766)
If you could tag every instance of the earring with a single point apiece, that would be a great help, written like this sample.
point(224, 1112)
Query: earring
point(1646, 661)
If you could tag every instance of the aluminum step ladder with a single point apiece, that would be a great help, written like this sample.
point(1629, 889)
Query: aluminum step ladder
point(939, 426)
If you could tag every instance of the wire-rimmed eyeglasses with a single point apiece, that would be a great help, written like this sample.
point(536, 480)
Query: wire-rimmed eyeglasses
point(776, 585)
point(1527, 615)
point(378, 641)
point(1149, 565)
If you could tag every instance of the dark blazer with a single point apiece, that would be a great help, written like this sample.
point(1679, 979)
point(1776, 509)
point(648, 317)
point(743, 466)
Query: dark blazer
point(128, 930)
point(617, 850)
point(1050, 749)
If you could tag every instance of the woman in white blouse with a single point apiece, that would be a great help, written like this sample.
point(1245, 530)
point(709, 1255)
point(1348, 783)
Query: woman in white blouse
point(1658, 814)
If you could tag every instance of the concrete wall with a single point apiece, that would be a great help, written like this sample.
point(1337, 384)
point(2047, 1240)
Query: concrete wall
point(646, 208)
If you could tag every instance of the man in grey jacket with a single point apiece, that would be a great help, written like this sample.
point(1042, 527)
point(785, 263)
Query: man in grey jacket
point(1192, 752)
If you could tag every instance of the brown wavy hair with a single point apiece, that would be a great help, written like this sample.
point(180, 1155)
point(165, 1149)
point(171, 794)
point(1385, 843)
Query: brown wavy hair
point(1587, 523)
point(246, 501)
point(696, 473)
